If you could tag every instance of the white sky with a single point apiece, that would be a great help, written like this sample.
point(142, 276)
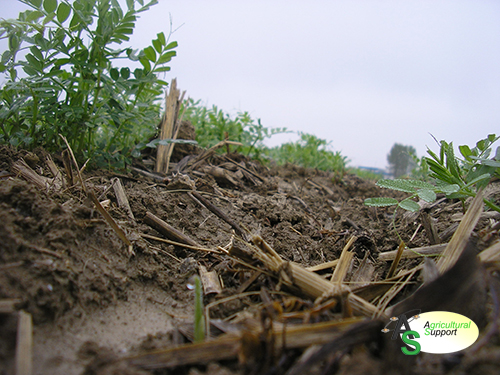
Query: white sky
point(361, 74)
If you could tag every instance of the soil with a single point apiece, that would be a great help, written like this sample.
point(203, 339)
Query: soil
point(92, 301)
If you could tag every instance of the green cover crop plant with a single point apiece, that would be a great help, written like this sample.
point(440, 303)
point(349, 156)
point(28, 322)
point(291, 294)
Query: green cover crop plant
point(61, 78)
point(456, 178)
point(214, 125)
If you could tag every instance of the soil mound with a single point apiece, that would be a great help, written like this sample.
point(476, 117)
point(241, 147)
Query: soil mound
point(97, 307)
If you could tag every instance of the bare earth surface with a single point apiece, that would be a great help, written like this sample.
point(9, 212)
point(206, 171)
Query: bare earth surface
point(93, 302)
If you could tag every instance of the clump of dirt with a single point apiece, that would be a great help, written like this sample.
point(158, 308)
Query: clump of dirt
point(93, 301)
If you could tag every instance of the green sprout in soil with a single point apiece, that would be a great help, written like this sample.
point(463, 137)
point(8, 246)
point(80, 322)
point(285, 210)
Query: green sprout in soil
point(199, 313)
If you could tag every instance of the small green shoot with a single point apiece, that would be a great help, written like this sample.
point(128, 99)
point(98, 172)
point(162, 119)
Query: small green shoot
point(199, 314)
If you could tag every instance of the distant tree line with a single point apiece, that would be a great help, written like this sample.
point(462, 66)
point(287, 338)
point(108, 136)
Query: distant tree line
point(400, 160)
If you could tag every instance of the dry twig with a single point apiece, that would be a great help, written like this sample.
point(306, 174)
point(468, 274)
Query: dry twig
point(168, 231)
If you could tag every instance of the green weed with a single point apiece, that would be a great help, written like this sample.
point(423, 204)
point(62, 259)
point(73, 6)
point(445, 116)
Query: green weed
point(199, 312)
point(70, 85)
point(310, 151)
point(214, 125)
point(456, 178)
point(366, 174)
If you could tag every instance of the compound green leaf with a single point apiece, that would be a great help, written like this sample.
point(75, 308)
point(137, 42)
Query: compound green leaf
point(442, 150)
point(63, 11)
point(162, 69)
point(13, 42)
point(128, 25)
point(34, 63)
point(465, 151)
point(426, 195)
point(114, 104)
point(75, 21)
point(161, 38)
point(433, 155)
point(129, 18)
point(13, 74)
point(150, 53)
point(49, 18)
point(120, 38)
point(36, 3)
point(485, 176)
point(166, 57)
point(448, 188)
point(493, 138)
point(130, 4)
point(441, 173)
point(50, 5)
point(409, 205)
point(171, 45)
point(482, 144)
point(30, 71)
point(146, 64)
point(125, 30)
point(125, 73)
point(54, 72)
point(457, 196)
point(6, 56)
point(408, 186)
point(138, 73)
point(63, 61)
point(114, 74)
point(381, 202)
point(451, 162)
point(33, 16)
point(81, 55)
point(491, 163)
point(36, 52)
point(157, 45)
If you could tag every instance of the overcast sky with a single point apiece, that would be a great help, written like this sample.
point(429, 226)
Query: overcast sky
point(361, 74)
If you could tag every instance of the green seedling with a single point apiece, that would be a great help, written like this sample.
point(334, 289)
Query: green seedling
point(462, 178)
point(417, 189)
point(199, 313)
point(449, 175)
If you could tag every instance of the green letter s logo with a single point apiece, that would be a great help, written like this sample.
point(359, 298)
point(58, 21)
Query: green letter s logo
point(411, 342)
